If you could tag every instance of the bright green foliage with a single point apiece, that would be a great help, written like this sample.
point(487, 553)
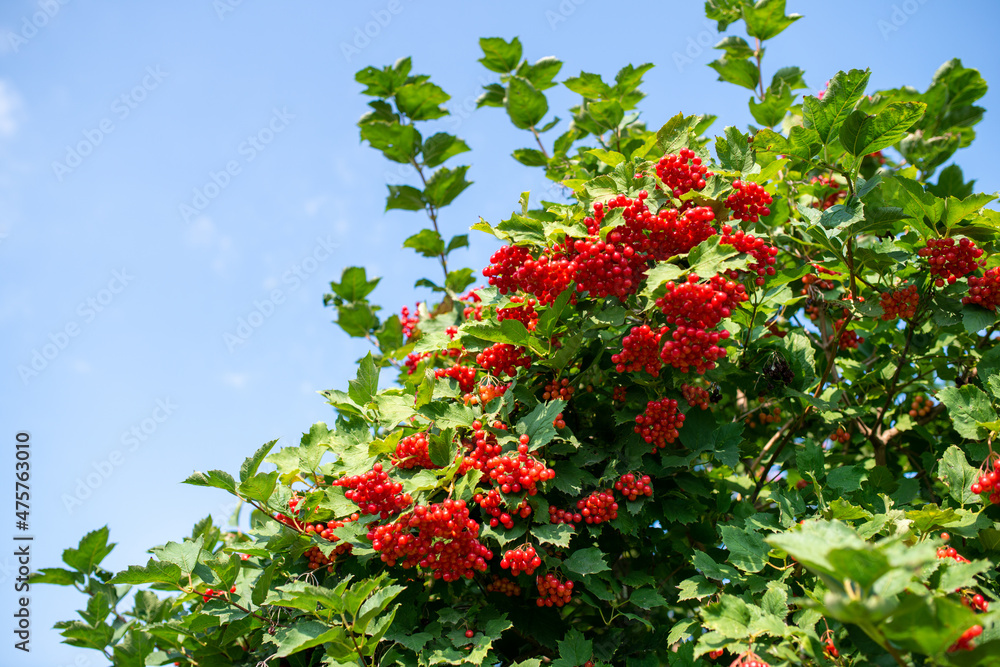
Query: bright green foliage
point(802, 511)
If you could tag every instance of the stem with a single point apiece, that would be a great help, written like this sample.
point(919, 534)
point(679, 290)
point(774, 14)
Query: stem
point(760, 74)
point(538, 139)
point(432, 214)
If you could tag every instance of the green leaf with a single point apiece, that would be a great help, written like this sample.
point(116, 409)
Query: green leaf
point(422, 101)
point(397, 142)
point(589, 85)
point(365, 385)
point(846, 478)
point(574, 650)
point(303, 635)
point(456, 242)
point(926, 624)
point(711, 257)
point(775, 105)
point(767, 18)
point(736, 48)
point(607, 114)
point(525, 105)
point(445, 184)
point(976, 318)
point(357, 319)
point(967, 406)
point(741, 72)
point(456, 281)
point(862, 134)
point(383, 82)
point(57, 576)
point(734, 151)
point(440, 147)
point(530, 157)
point(586, 561)
point(747, 549)
point(426, 242)
point(958, 210)
point(214, 478)
point(91, 550)
point(696, 588)
point(541, 73)
point(538, 425)
point(558, 534)
point(648, 598)
point(954, 468)
point(607, 157)
point(827, 115)
point(500, 55)
point(252, 463)
point(354, 284)
point(811, 543)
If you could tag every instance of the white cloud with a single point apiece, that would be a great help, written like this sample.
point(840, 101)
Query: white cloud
point(236, 380)
point(10, 109)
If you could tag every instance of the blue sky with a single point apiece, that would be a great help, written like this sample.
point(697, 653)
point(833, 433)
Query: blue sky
point(245, 112)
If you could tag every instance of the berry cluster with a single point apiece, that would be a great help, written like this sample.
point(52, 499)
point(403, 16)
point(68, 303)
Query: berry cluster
point(901, 303)
point(492, 503)
point(465, 376)
point(482, 447)
point(559, 422)
point(558, 389)
point(504, 358)
point(375, 493)
point(764, 417)
point(920, 406)
point(750, 202)
point(409, 322)
point(412, 452)
point(764, 255)
point(512, 268)
point(693, 347)
point(209, 593)
point(513, 474)
point(840, 435)
point(503, 585)
point(473, 309)
point(619, 394)
point(976, 603)
point(696, 397)
point(291, 522)
point(950, 261)
point(673, 232)
point(553, 591)
point(695, 308)
point(598, 507)
point(632, 486)
point(777, 372)
point(830, 649)
point(985, 291)
point(659, 424)
point(717, 653)
point(485, 393)
point(523, 312)
point(989, 482)
point(750, 659)
point(439, 537)
point(640, 351)
point(828, 193)
point(557, 515)
point(607, 268)
point(849, 338)
point(964, 642)
point(522, 559)
point(318, 559)
point(950, 552)
point(682, 172)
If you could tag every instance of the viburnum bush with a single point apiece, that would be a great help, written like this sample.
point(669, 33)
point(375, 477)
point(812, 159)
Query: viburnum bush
point(726, 401)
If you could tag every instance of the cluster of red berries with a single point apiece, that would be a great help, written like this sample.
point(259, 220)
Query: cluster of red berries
point(607, 268)
point(673, 232)
point(485, 393)
point(750, 659)
point(557, 515)
point(374, 493)
point(764, 417)
point(901, 303)
point(412, 452)
point(503, 585)
point(409, 322)
point(950, 261)
point(696, 397)
point(659, 424)
point(493, 503)
point(682, 172)
point(989, 482)
point(558, 389)
point(750, 202)
point(523, 312)
point(504, 358)
point(976, 603)
point(950, 552)
point(465, 376)
point(598, 507)
point(318, 559)
point(985, 291)
point(693, 347)
point(920, 406)
point(553, 591)
point(764, 255)
point(640, 351)
point(632, 486)
point(473, 309)
point(830, 649)
point(482, 447)
point(964, 642)
point(559, 422)
point(840, 435)
point(513, 474)
point(701, 304)
point(717, 653)
point(209, 593)
point(293, 504)
point(829, 192)
point(619, 394)
point(849, 338)
point(522, 559)
point(440, 538)
point(512, 268)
